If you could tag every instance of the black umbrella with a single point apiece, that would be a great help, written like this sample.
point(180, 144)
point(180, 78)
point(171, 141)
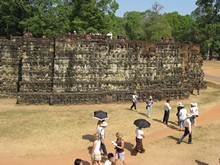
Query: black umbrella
point(142, 123)
point(101, 115)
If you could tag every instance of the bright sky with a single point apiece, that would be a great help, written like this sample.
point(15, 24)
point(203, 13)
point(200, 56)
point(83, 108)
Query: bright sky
point(183, 7)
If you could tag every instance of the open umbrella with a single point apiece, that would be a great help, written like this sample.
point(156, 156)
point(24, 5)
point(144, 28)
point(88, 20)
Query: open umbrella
point(100, 115)
point(142, 123)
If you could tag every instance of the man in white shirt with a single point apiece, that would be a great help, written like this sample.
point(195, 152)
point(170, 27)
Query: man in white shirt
point(167, 109)
point(182, 116)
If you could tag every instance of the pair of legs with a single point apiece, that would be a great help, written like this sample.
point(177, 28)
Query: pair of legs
point(120, 156)
point(148, 110)
point(181, 122)
point(186, 132)
point(133, 105)
point(103, 148)
point(166, 116)
point(139, 146)
point(96, 158)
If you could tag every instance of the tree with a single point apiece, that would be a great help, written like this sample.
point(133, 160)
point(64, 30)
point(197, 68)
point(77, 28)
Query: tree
point(134, 25)
point(183, 27)
point(156, 25)
point(207, 16)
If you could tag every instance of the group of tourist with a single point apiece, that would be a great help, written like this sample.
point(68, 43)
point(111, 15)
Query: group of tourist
point(185, 122)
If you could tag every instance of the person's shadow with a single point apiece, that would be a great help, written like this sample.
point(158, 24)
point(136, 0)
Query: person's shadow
point(88, 137)
point(157, 120)
point(86, 163)
point(89, 149)
point(201, 163)
point(128, 146)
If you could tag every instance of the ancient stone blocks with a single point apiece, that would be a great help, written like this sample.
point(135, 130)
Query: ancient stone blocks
point(73, 69)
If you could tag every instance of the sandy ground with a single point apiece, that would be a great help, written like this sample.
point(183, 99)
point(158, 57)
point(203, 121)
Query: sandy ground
point(160, 141)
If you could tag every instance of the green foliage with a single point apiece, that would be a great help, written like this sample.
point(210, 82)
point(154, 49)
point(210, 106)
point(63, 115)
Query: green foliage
point(207, 16)
point(134, 25)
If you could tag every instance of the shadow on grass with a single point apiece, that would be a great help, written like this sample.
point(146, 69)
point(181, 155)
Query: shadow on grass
point(174, 138)
point(86, 163)
point(88, 137)
point(201, 163)
point(143, 114)
point(157, 120)
point(128, 146)
point(90, 149)
point(174, 123)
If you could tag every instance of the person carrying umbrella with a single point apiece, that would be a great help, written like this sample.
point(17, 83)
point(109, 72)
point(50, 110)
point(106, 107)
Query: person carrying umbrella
point(101, 133)
point(140, 123)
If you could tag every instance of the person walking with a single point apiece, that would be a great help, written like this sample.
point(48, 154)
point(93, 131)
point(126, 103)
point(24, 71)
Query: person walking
point(198, 87)
point(96, 154)
point(188, 130)
point(101, 133)
point(167, 109)
point(149, 103)
point(119, 149)
point(139, 143)
point(134, 101)
point(182, 116)
point(194, 110)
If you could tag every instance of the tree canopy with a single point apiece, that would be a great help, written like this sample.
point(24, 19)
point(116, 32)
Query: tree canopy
point(54, 17)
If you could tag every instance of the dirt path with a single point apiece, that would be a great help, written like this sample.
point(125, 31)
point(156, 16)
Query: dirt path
point(206, 117)
point(212, 78)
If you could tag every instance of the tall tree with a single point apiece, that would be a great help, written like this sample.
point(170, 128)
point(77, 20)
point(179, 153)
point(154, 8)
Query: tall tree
point(183, 27)
point(134, 25)
point(207, 16)
point(156, 25)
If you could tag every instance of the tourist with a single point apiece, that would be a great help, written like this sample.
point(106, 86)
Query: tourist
point(134, 101)
point(119, 149)
point(182, 116)
point(96, 154)
point(99, 123)
point(110, 159)
point(188, 130)
point(101, 133)
point(178, 110)
point(149, 103)
point(194, 112)
point(139, 137)
point(198, 87)
point(78, 162)
point(167, 109)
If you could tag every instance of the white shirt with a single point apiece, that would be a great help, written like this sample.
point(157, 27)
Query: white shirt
point(182, 114)
point(97, 147)
point(101, 132)
point(107, 162)
point(139, 133)
point(167, 106)
point(194, 111)
point(187, 123)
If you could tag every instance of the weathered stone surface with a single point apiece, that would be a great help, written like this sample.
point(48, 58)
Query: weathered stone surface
point(90, 69)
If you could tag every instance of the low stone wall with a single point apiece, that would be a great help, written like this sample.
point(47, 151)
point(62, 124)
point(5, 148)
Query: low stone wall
point(74, 69)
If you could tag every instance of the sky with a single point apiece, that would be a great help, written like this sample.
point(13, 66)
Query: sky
point(183, 7)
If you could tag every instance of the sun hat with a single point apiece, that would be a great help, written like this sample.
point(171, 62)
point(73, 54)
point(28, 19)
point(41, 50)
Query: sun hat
point(179, 104)
point(104, 124)
point(193, 104)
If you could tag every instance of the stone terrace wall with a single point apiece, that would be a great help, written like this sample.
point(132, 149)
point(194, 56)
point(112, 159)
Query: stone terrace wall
point(74, 69)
